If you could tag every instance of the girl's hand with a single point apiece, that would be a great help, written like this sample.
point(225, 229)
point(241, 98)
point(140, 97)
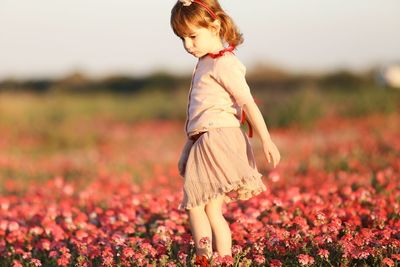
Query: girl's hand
point(271, 152)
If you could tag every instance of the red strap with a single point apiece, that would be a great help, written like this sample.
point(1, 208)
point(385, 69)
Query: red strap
point(250, 129)
point(243, 119)
point(230, 48)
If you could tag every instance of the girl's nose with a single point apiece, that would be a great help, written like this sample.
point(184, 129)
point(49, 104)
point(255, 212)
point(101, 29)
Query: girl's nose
point(188, 44)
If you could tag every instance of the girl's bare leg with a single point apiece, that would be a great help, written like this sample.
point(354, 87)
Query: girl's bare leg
point(219, 226)
point(200, 227)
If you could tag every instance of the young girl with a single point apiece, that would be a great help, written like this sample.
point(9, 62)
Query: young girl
point(217, 162)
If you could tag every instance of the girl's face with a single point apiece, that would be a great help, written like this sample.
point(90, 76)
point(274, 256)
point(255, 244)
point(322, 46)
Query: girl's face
point(202, 41)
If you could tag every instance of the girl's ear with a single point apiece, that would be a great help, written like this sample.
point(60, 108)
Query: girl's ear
point(216, 26)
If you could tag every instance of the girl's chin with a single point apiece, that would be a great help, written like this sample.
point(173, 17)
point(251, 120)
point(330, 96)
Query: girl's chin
point(199, 55)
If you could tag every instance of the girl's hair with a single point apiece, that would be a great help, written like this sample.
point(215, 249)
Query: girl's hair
point(185, 17)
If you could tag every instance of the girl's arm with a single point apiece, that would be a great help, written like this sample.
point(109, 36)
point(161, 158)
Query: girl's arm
point(257, 121)
point(229, 72)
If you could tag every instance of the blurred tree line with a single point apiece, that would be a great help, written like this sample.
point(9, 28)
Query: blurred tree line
point(261, 77)
point(284, 98)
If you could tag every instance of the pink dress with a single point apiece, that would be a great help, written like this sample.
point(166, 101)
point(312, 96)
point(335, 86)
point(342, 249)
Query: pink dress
point(221, 160)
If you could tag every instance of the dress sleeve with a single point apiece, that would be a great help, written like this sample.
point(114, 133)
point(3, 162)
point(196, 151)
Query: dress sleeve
point(230, 73)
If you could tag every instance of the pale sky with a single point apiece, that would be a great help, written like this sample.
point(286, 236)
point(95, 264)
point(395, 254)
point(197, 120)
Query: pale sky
point(52, 38)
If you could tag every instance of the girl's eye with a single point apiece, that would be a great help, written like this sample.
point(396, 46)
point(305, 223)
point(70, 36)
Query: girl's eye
point(193, 36)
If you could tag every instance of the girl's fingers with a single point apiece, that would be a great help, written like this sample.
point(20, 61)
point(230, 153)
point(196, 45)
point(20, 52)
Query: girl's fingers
point(277, 159)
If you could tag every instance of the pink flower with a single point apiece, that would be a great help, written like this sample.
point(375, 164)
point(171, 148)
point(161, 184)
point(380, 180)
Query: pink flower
point(80, 234)
point(228, 260)
point(147, 248)
point(205, 242)
point(323, 253)
point(236, 249)
point(118, 239)
point(217, 259)
point(64, 250)
point(3, 225)
point(360, 253)
point(274, 176)
point(36, 262)
point(305, 259)
point(44, 244)
point(63, 261)
point(259, 259)
point(13, 226)
point(128, 252)
point(36, 230)
point(388, 262)
point(275, 263)
point(139, 257)
point(53, 254)
point(182, 256)
point(107, 256)
point(396, 256)
point(26, 255)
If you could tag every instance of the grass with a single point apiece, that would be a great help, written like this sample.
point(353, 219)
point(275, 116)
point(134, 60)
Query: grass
point(51, 115)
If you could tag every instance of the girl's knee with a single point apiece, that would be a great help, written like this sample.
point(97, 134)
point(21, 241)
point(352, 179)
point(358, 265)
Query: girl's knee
point(214, 207)
point(196, 210)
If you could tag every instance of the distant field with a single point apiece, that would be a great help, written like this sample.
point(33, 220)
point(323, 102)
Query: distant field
point(280, 108)
point(37, 126)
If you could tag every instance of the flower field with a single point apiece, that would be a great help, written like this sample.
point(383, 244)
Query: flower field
point(103, 193)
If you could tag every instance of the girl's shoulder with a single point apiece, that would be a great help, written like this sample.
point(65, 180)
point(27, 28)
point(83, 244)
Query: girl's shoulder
point(228, 62)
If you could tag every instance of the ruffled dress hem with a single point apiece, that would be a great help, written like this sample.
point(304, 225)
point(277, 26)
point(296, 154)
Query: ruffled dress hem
point(246, 188)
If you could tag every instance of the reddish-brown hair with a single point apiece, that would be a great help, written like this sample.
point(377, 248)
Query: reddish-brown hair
point(195, 15)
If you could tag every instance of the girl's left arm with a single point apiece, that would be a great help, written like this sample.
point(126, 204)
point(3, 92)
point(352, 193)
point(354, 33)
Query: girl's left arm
point(257, 121)
point(229, 72)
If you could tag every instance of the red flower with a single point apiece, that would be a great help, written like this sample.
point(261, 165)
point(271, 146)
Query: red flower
point(275, 263)
point(323, 253)
point(396, 256)
point(36, 262)
point(388, 262)
point(305, 259)
point(202, 261)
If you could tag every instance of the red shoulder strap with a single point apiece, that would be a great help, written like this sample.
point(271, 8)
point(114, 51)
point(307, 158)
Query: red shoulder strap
point(244, 119)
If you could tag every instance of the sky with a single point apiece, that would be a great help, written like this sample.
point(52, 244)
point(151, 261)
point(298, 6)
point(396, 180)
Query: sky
point(53, 38)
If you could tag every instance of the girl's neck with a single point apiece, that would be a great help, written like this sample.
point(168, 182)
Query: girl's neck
point(218, 47)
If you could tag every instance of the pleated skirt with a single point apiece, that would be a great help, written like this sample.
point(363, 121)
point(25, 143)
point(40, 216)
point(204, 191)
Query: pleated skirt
point(220, 162)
